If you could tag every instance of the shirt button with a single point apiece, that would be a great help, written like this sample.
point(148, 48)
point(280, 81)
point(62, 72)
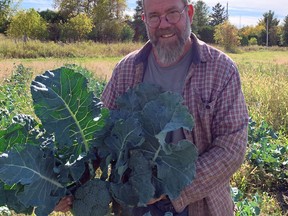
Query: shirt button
point(207, 106)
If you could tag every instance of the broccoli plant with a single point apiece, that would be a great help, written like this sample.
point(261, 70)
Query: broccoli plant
point(92, 198)
point(41, 162)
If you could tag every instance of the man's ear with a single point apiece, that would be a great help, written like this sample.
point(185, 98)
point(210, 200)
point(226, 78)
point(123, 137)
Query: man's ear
point(143, 17)
point(190, 12)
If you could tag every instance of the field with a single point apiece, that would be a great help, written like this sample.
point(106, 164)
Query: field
point(261, 185)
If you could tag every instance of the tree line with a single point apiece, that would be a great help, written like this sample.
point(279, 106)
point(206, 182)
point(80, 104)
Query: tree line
point(105, 21)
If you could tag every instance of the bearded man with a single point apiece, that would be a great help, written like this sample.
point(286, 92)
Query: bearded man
point(175, 59)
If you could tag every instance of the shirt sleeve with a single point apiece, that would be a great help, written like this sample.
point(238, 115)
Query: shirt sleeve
point(109, 95)
point(229, 139)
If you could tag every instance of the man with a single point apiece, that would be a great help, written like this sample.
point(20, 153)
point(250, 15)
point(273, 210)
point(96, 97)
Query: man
point(209, 82)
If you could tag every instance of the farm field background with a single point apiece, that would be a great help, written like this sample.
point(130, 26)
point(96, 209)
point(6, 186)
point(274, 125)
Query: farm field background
point(260, 186)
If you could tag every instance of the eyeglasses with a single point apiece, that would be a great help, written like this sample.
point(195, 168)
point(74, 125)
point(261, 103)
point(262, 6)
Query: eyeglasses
point(172, 17)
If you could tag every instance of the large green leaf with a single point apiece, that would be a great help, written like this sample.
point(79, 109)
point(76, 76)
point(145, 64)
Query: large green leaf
point(32, 168)
point(136, 98)
point(125, 135)
point(138, 189)
point(175, 170)
point(67, 109)
point(170, 114)
point(8, 197)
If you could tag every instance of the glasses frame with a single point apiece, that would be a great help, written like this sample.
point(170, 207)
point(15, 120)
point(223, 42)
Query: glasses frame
point(165, 16)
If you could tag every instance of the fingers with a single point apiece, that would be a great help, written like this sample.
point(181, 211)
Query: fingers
point(64, 204)
point(152, 201)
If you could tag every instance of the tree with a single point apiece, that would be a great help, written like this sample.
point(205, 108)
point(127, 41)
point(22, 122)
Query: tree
point(285, 32)
point(248, 32)
point(77, 27)
point(226, 35)
point(138, 24)
point(70, 8)
point(27, 24)
point(201, 16)
point(54, 20)
point(218, 15)
point(127, 33)
point(7, 9)
point(271, 22)
point(4, 9)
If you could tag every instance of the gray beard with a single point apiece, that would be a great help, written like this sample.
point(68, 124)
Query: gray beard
point(168, 54)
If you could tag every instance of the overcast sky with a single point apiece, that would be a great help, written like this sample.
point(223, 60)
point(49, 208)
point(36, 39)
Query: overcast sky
point(241, 12)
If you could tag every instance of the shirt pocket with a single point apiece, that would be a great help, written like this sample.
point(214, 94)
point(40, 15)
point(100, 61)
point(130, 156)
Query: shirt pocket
point(206, 102)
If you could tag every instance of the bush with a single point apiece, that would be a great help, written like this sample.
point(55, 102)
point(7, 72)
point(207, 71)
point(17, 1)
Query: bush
point(253, 41)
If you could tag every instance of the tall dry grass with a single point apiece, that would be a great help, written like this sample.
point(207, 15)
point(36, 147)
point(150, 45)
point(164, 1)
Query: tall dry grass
point(265, 86)
point(36, 49)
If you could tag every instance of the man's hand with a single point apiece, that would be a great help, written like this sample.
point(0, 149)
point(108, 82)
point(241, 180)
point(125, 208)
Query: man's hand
point(64, 204)
point(152, 201)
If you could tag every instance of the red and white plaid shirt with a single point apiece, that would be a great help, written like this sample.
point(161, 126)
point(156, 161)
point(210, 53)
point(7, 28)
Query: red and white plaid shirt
point(213, 94)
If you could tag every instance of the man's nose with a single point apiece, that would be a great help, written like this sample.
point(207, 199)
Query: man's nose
point(163, 22)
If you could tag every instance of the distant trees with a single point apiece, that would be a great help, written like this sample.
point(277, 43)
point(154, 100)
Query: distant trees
point(7, 8)
point(226, 35)
point(138, 24)
point(201, 15)
point(27, 24)
point(271, 25)
point(218, 15)
point(201, 19)
point(4, 9)
point(77, 28)
point(285, 32)
point(106, 21)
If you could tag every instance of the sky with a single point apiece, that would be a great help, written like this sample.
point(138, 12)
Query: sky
point(241, 12)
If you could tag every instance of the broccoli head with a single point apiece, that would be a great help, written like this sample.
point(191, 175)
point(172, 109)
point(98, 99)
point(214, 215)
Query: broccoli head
point(92, 198)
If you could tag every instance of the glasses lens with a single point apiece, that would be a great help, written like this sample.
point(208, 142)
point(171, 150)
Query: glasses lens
point(173, 17)
point(153, 21)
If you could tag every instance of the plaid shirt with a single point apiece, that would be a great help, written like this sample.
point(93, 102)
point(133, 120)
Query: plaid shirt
point(213, 94)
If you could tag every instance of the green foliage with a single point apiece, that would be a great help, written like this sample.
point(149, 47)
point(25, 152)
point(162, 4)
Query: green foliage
point(253, 41)
point(77, 28)
point(112, 30)
point(206, 33)
point(41, 166)
point(138, 24)
point(127, 33)
point(227, 36)
point(245, 206)
point(271, 22)
point(201, 15)
point(266, 153)
point(285, 32)
point(27, 24)
point(138, 147)
point(218, 15)
point(93, 198)
point(13, 95)
point(4, 10)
